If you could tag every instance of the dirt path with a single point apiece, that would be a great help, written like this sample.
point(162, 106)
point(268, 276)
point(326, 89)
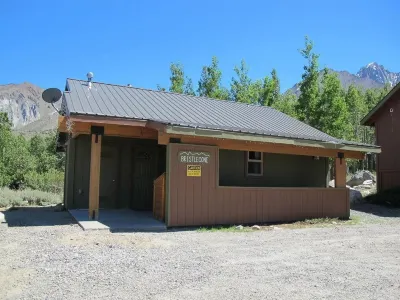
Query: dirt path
point(61, 261)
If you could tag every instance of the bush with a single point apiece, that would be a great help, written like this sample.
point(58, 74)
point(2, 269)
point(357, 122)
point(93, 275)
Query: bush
point(389, 197)
point(9, 198)
point(30, 162)
point(33, 197)
point(51, 181)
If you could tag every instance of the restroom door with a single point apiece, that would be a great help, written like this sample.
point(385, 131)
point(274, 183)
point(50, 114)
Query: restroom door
point(144, 173)
point(108, 177)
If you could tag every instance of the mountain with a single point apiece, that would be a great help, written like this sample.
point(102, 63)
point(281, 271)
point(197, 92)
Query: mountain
point(25, 108)
point(379, 74)
point(372, 75)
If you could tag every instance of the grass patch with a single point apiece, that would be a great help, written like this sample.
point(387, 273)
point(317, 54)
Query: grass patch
point(323, 222)
point(224, 228)
point(308, 223)
point(13, 198)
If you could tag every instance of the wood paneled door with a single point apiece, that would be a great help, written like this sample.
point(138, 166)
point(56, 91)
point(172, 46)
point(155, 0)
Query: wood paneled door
point(144, 172)
point(108, 177)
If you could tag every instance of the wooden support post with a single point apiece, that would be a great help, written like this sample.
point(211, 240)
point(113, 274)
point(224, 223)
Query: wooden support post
point(94, 185)
point(340, 171)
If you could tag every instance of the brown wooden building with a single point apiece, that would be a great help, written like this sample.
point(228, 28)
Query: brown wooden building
point(197, 161)
point(385, 117)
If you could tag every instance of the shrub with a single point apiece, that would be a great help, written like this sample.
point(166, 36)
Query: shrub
point(34, 197)
point(51, 181)
point(9, 198)
point(389, 197)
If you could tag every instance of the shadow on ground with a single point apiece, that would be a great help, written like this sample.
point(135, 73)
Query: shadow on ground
point(378, 210)
point(36, 216)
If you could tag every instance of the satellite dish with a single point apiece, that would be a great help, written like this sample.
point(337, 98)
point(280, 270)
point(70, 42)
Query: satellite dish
point(51, 95)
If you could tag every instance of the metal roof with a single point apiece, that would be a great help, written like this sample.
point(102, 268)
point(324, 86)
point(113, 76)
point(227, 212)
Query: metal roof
point(111, 100)
point(365, 120)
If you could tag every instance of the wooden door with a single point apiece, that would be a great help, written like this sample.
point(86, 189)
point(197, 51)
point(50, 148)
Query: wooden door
point(108, 177)
point(143, 175)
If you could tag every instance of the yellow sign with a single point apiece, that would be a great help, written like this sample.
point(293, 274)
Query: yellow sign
point(193, 170)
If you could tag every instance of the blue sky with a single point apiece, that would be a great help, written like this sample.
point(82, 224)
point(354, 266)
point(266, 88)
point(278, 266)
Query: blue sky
point(122, 42)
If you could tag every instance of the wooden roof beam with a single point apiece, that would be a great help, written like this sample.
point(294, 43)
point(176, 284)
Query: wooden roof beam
point(163, 138)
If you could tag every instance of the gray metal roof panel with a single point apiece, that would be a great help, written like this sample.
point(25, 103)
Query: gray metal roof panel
point(185, 110)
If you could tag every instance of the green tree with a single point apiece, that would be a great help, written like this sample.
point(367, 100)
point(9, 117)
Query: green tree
point(210, 82)
point(241, 85)
point(309, 86)
point(177, 78)
point(188, 89)
point(267, 92)
point(58, 162)
point(5, 141)
point(287, 104)
point(357, 110)
point(332, 115)
point(17, 161)
point(276, 87)
point(43, 151)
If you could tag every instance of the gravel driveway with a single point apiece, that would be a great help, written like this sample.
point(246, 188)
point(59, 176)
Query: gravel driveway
point(61, 261)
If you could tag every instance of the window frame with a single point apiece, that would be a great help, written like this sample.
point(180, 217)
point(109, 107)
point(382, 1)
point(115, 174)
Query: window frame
point(260, 161)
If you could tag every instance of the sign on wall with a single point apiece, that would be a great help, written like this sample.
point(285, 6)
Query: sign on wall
point(194, 157)
point(193, 170)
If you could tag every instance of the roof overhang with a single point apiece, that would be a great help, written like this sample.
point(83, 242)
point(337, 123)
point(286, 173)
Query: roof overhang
point(82, 125)
point(367, 120)
point(181, 130)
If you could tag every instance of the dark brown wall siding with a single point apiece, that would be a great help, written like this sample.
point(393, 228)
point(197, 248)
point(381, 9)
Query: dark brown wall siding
point(199, 200)
point(79, 168)
point(279, 170)
point(387, 126)
point(81, 172)
point(69, 174)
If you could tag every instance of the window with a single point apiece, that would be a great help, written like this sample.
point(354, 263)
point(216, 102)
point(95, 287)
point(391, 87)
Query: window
point(254, 163)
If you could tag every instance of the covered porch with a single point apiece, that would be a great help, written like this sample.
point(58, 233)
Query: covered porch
point(152, 186)
point(112, 169)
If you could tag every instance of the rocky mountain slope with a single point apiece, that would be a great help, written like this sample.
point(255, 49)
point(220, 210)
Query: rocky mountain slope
point(372, 75)
point(25, 108)
point(378, 73)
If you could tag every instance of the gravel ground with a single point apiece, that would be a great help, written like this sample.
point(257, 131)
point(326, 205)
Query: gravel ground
point(45, 256)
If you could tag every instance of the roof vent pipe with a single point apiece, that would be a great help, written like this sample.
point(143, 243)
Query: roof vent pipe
point(89, 76)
